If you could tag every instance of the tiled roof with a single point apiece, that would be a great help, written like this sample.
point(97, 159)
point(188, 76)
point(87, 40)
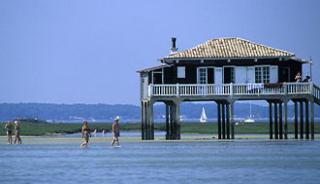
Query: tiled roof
point(229, 48)
point(153, 68)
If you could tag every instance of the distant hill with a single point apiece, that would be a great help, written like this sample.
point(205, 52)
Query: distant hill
point(129, 113)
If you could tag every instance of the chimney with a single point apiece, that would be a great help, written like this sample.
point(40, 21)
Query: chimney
point(173, 46)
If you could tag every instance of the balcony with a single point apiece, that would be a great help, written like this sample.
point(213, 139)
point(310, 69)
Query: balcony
point(235, 90)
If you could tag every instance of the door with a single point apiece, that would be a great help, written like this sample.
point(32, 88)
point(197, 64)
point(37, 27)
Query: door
point(273, 74)
point(284, 74)
point(228, 75)
point(144, 86)
point(240, 74)
point(250, 75)
point(218, 75)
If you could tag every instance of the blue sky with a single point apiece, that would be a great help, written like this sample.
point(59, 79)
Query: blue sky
point(80, 51)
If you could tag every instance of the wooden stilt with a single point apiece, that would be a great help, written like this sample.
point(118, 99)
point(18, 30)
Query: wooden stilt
point(285, 120)
point(142, 121)
point(301, 119)
point(223, 121)
point(177, 120)
point(172, 122)
point(270, 121)
point(276, 120)
point(231, 120)
point(295, 119)
point(148, 121)
point(312, 119)
point(280, 122)
point(228, 120)
point(307, 119)
point(167, 122)
point(151, 121)
point(219, 119)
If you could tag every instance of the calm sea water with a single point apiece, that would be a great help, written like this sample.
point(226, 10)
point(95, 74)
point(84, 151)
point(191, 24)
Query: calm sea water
point(240, 161)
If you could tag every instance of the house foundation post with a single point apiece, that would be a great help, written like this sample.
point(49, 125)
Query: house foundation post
point(276, 133)
point(231, 106)
point(301, 119)
point(167, 121)
point(143, 121)
point(223, 121)
point(280, 121)
point(172, 123)
point(270, 121)
point(307, 118)
point(227, 105)
point(177, 120)
point(295, 119)
point(312, 119)
point(285, 119)
point(219, 119)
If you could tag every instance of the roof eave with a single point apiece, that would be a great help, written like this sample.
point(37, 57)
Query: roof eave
point(229, 58)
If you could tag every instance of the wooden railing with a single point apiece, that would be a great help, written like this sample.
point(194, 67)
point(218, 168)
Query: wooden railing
point(232, 89)
point(316, 92)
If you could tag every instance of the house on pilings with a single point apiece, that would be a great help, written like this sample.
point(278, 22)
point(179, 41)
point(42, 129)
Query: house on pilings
point(226, 70)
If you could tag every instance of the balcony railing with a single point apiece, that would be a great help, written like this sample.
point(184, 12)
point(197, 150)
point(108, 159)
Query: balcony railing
point(232, 89)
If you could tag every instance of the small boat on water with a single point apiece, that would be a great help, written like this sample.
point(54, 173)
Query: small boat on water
point(250, 118)
point(203, 118)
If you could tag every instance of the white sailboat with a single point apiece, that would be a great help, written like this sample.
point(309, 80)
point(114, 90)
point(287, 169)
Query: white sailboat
point(203, 118)
point(250, 118)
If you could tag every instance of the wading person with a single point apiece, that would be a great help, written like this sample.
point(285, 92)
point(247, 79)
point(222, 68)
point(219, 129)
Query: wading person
point(116, 131)
point(9, 130)
point(17, 138)
point(85, 131)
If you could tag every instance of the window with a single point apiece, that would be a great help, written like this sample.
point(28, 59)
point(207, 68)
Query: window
point(202, 76)
point(262, 74)
point(181, 72)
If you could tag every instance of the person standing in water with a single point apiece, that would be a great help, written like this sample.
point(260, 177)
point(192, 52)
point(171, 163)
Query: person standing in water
point(116, 131)
point(85, 131)
point(17, 137)
point(9, 128)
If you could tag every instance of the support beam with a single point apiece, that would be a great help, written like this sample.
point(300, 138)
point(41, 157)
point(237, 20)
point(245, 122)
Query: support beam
point(223, 121)
point(228, 120)
point(276, 120)
point(219, 119)
point(295, 119)
point(312, 119)
point(172, 126)
point(177, 120)
point(143, 120)
point(285, 120)
point(270, 121)
point(301, 119)
point(151, 121)
point(232, 120)
point(167, 121)
point(280, 122)
point(307, 118)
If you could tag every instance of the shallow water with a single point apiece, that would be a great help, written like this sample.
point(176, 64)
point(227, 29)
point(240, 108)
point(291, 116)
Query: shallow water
point(240, 161)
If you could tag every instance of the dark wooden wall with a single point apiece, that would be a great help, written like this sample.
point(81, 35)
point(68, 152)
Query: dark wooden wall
point(170, 73)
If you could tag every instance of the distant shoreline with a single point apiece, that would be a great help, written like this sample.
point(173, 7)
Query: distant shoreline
point(47, 129)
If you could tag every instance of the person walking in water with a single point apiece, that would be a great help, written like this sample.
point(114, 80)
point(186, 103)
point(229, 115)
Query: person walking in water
point(9, 129)
point(17, 137)
point(85, 131)
point(116, 131)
